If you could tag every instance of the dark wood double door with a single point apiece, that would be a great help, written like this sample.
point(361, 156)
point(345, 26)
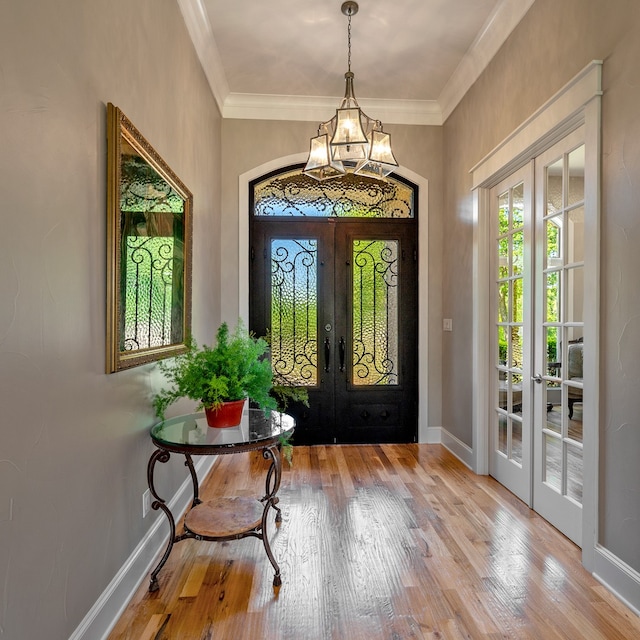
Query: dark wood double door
point(339, 300)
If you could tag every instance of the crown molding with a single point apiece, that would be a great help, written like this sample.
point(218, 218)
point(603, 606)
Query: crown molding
point(503, 20)
point(199, 28)
point(245, 106)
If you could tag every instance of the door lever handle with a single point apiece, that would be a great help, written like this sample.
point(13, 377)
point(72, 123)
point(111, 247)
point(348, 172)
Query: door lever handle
point(327, 354)
point(537, 378)
point(342, 348)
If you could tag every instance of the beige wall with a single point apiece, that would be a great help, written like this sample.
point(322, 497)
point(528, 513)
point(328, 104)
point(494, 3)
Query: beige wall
point(248, 144)
point(74, 441)
point(552, 43)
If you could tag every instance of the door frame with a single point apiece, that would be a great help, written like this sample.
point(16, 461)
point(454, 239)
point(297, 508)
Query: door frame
point(577, 103)
point(423, 268)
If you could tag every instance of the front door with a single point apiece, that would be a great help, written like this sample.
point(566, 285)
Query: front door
point(337, 296)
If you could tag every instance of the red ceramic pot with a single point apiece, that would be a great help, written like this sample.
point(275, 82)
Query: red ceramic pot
point(228, 414)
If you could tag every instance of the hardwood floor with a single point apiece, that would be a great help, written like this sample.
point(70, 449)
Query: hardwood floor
point(385, 542)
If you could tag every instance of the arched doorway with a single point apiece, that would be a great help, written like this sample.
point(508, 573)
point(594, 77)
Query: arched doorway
point(334, 280)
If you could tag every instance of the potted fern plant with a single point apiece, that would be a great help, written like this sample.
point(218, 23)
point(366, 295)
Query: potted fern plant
point(233, 369)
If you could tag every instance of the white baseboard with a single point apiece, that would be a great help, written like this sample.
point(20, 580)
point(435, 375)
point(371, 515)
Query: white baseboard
point(618, 577)
point(439, 435)
point(107, 610)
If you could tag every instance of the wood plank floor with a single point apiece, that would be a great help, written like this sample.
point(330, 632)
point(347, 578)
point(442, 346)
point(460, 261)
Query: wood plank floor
point(384, 542)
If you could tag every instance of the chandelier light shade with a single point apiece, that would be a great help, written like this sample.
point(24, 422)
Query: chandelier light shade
point(351, 142)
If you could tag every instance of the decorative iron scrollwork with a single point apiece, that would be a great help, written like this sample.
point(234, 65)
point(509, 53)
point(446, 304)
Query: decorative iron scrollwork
point(349, 196)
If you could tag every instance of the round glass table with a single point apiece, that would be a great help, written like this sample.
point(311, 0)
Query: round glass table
point(224, 518)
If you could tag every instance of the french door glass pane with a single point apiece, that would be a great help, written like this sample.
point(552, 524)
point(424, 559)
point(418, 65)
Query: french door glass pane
point(518, 298)
point(554, 186)
point(502, 346)
point(552, 354)
point(510, 392)
point(503, 301)
point(575, 295)
point(502, 433)
point(516, 393)
point(575, 235)
point(503, 213)
point(574, 426)
point(516, 441)
point(574, 473)
point(294, 311)
point(576, 176)
point(375, 312)
point(553, 462)
point(517, 211)
point(503, 258)
point(553, 402)
point(517, 252)
point(517, 346)
point(553, 298)
point(553, 241)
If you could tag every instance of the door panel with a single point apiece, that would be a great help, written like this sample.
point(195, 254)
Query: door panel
point(339, 299)
point(291, 282)
point(558, 433)
point(376, 268)
point(510, 439)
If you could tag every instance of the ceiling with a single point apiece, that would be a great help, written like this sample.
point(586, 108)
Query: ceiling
point(413, 60)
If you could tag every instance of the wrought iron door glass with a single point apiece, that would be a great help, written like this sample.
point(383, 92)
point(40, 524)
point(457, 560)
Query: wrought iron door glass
point(294, 311)
point(375, 312)
point(351, 196)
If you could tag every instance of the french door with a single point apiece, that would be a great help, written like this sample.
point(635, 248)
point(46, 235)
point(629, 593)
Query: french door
point(512, 283)
point(538, 291)
point(338, 298)
point(559, 330)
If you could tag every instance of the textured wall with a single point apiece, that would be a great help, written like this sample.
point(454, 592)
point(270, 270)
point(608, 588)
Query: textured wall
point(620, 299)
point(248, 144)
point(74, 441)
point(554, 41)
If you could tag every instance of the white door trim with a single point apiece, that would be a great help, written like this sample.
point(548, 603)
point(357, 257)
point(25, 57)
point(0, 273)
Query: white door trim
point(575, 104)
point(423, 267)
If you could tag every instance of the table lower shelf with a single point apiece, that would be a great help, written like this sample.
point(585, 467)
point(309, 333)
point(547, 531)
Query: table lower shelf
point(225, 517)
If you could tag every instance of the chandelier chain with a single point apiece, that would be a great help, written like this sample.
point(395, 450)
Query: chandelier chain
point(349, 43)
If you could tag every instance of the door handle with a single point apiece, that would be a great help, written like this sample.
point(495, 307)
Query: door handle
point(537, 378)
point(327, 354)
point(342, 349)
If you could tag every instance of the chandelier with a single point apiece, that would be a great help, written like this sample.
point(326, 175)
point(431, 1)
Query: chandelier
point(351, 142)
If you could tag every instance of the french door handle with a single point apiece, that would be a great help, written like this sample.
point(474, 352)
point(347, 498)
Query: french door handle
point(537, 378)
point(327, 354)
point(342, 348)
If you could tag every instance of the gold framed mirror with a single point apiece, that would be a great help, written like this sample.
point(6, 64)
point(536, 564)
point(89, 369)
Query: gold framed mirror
point(149, 238)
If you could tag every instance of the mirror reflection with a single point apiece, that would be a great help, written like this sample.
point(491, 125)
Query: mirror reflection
point(149, 261)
